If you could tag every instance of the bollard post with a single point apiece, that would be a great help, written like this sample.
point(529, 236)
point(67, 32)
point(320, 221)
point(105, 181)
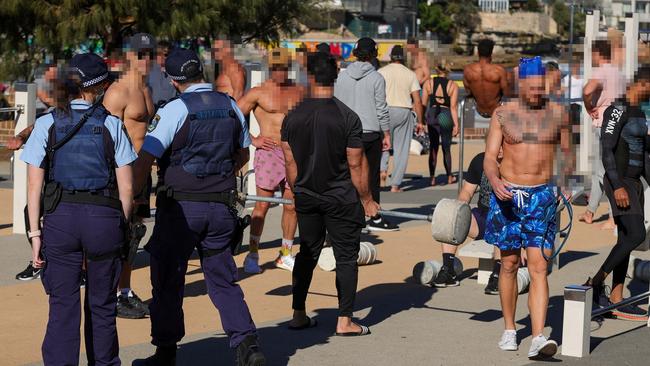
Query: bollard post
point(257, 77)
point(576, 323)
point(26, 100)
point(631, 44)
point(586, 129)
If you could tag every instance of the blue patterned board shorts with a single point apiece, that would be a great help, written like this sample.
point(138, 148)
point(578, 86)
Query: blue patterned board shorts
point(527, 220)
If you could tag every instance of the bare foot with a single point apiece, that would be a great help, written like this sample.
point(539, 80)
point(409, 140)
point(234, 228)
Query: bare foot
point(608, 225)
point(451, 179)
point(433, 181)
point(396, 189)
point(587, 217)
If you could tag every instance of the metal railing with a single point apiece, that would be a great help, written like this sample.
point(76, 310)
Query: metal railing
point(628, 301)
point(19, 110)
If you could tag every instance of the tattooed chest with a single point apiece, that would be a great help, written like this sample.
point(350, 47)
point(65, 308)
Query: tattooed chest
point(530, 128)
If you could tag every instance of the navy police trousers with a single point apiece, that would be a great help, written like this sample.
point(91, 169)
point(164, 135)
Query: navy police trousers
point(69, 232)
point(182, 226)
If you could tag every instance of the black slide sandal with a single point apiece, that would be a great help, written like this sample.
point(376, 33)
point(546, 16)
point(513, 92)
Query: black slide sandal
point(311, 323)
point(364, 331)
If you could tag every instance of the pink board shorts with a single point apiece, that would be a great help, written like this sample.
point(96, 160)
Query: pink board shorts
point(270, 170)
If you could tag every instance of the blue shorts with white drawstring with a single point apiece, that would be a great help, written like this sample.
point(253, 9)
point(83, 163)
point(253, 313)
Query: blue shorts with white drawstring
point(526, 220)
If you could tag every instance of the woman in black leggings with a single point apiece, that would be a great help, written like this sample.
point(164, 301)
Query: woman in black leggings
point(440, 96)
point(622, 141)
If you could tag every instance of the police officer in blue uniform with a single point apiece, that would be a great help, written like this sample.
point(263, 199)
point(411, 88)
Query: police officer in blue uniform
point(82, 154)
point(200, 140)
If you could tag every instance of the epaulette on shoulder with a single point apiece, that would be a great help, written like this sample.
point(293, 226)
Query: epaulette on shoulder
point(163, 103)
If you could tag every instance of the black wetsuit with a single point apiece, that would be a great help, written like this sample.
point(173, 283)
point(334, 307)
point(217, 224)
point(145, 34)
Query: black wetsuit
point(623, 134)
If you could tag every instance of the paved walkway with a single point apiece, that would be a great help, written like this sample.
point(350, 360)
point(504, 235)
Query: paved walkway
point(411, 324)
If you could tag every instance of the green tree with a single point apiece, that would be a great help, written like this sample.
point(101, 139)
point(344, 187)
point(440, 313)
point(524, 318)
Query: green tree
point(562, 16)
point(434, 19)
point(30, 29)
point(450, 19)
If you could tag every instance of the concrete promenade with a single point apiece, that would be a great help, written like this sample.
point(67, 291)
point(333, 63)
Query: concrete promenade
point(411, 324)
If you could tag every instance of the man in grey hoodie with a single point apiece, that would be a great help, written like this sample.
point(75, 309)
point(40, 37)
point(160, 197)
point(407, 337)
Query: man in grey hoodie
point(363, 90)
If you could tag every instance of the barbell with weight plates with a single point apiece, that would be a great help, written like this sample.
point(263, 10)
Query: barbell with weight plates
point(450, 218)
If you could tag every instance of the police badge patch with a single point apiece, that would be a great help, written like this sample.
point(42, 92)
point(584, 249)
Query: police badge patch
point(153, 123)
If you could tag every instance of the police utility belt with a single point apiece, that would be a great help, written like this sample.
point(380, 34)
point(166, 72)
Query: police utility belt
point(228, 198)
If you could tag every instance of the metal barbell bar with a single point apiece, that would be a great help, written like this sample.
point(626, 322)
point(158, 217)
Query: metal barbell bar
point(285, 201)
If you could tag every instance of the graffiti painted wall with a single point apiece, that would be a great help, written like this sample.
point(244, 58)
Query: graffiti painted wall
point(344, 48)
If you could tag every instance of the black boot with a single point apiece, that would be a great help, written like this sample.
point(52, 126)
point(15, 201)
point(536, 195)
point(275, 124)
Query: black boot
point(164, 356)
point(249, 354)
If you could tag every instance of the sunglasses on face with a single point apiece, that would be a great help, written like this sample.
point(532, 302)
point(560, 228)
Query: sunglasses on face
point(279, 68)
point(142, 54)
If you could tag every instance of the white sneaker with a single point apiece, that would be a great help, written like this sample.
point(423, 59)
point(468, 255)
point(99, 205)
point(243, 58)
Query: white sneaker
point(285, 262)
point(541, 347)
point(508, 340)
point(251, 263)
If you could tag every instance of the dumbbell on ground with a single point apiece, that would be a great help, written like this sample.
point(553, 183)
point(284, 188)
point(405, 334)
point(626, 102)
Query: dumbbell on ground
point(425, 272)
point(367, 255)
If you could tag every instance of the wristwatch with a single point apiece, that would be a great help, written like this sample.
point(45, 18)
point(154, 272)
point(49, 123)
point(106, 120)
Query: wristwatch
point(33, 234)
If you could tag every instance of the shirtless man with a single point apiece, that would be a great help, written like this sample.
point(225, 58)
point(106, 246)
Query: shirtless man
point(485, 81)
point(523, 204)
point(130, 100)
point(270, 102)
point(419, 61)
point(230, 76)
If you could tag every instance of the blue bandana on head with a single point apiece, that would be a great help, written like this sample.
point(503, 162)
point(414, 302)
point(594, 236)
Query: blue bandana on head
point(531, 67)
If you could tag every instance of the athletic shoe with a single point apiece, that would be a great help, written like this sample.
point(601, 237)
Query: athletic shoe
point(508, 341)
point(542, 348)
point(492, 287)
point(249, 354)
point(82, 281)
point(285, 262)
point(30, 273)
point(251, 263)
point(446, 278)
point(126, 310)
point(137, 303)
point(380, 224)
point(630, 312)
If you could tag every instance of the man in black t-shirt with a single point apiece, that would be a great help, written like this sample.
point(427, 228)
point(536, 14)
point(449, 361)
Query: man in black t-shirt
point(321, 141)
point(474, 180)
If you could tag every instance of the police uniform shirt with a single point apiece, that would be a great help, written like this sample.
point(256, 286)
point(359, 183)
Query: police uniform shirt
point(34, 152)
point(171, 118)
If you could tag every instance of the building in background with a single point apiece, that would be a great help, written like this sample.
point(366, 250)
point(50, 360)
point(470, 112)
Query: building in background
point(494, 6)
point(615, 12)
